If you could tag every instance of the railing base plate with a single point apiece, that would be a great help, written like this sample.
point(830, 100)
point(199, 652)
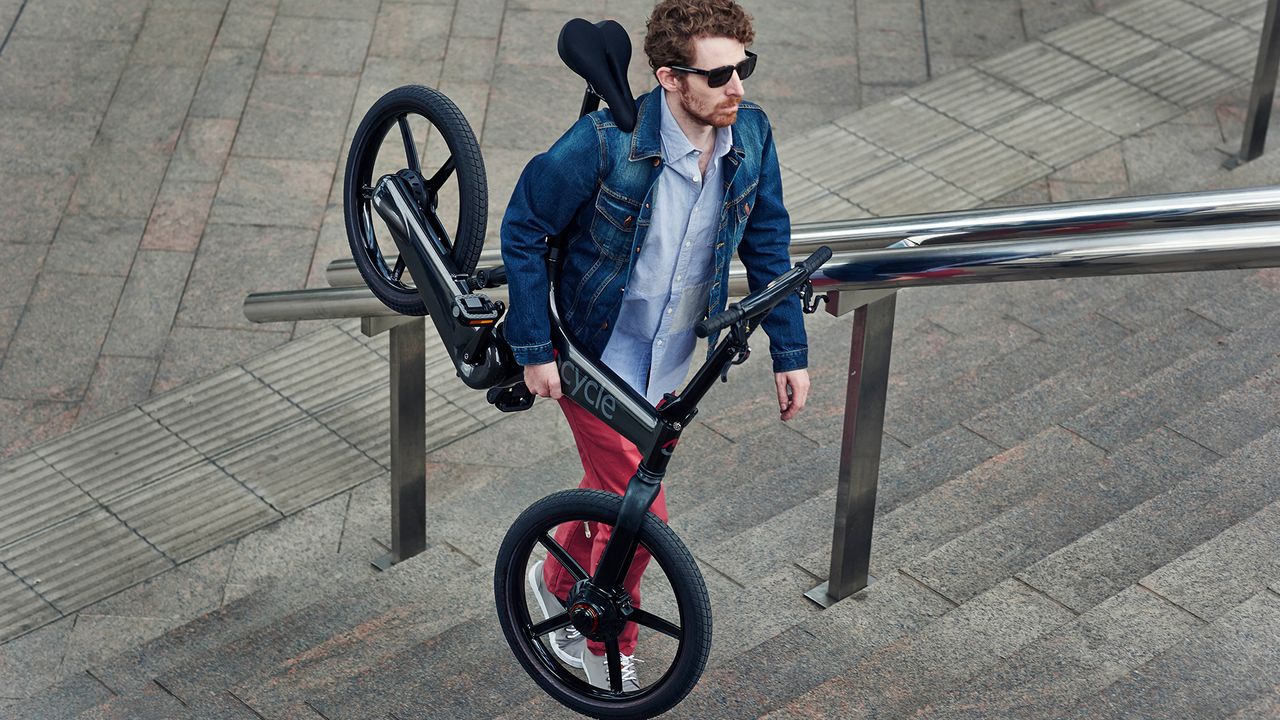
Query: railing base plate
point(819, 594)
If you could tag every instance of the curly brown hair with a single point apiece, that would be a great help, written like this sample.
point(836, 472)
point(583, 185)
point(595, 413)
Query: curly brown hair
point(675, 24)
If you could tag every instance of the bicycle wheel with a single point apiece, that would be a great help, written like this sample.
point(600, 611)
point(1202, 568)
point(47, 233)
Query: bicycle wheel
point(452, 183)
point(675, 621)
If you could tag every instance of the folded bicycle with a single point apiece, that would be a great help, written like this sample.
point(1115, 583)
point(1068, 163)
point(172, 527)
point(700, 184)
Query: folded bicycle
point(403, 205)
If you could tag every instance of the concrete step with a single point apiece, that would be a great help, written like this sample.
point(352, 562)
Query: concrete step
point(284, 685)
point(466, 671)
point(1159, 530)
point(1085, 655)
point(897, 678)
point(128, 673)
point(796, 658)
point(1214, 673)
point(1080, 385)
point(1082, 497)
point(904, 476)
point(1197, 378)
point(315, 632)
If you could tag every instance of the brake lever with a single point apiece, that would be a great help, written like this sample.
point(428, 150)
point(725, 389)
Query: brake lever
point(739, 335)
point(808, 301)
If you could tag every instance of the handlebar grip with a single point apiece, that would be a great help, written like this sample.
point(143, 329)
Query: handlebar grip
point(720, 320)
point(815, 261)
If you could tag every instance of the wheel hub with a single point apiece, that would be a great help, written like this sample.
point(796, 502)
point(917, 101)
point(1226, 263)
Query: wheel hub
point(418, 188)
point(597, 614)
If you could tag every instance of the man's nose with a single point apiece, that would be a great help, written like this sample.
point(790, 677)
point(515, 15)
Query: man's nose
point(733, 88)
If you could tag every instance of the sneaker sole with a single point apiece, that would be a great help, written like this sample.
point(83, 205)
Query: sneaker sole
point(532, 579)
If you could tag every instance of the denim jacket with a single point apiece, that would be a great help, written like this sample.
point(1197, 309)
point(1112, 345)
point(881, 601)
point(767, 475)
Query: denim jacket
point(594, 187)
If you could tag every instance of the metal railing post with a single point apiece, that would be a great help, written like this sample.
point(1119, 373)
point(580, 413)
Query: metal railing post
point(408, 440)
point(1264, 90)
point(865, 392)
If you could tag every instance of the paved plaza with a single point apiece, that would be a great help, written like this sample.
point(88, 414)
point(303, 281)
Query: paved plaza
point(175, 156)
point(164, 159)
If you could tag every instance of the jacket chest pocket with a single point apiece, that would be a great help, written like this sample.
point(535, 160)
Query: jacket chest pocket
point(613, 229)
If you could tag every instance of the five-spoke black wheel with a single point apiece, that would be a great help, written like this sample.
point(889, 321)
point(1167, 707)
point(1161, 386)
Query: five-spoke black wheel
point(674, 619)
point(447, 180)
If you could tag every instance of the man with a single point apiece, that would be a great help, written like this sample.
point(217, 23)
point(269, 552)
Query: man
point(650, 220)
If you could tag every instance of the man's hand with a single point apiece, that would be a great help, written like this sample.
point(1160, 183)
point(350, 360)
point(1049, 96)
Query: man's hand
point(793, 390)
point(544, 380)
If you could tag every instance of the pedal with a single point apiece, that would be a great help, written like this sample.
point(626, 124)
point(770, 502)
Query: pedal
point(476, 309)
point(510, 399)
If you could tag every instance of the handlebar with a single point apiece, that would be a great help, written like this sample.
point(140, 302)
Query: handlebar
point(763, 300)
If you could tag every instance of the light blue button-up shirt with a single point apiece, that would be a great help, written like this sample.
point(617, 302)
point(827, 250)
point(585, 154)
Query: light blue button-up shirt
point(652, 342)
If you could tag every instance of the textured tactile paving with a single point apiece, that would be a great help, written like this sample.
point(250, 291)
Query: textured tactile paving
point(33, 495)
point(299, 466)
point(1043, 71)
point(903, 126)
point(1228, 8)
point(226, 410)
point(1231, 48)
point(830, 207)
point(21, 609)
point(982, 166)
point(119, 455)
point(972, 97)
point(320, 369)
point(214, 509)
point(1052, 136)
point(1179, 77)
point(1103, 43)
point(835, 158)
point(363, 421)
point(1169, 21)
point(799, 190)
point(83, 559)
point(906, 188)
point(1118, 106)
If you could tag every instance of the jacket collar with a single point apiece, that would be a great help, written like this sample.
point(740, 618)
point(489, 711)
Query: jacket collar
point(646, 138)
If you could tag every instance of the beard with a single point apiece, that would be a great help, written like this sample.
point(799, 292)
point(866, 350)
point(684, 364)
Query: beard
point(716, 115)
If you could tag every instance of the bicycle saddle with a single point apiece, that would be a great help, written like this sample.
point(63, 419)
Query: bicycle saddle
point(600, 53)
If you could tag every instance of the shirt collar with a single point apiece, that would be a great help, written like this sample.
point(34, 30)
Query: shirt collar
point(676, 145)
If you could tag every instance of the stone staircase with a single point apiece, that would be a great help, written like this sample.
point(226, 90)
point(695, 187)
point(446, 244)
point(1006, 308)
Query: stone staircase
point(1077, 517)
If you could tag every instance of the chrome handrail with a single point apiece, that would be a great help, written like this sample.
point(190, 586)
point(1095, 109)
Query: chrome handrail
point(1159, 234)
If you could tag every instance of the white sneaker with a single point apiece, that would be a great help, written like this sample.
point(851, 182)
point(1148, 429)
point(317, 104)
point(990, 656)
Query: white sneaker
point(597, 669)
point(568, 644)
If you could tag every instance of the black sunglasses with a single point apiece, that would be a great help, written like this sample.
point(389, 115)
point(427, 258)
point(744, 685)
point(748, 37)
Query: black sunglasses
point(721, 75)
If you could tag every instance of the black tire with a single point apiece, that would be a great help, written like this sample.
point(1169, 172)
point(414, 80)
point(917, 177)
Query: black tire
point(464, 242)
point(686, 584)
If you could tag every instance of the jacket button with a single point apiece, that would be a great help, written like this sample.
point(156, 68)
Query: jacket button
point(604, 325)
point(746, 207)
point(646, 206)
point(657, 162)
point(637, 249)
point(627, 223)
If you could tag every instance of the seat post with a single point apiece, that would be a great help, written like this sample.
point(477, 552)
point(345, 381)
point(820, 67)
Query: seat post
point(590, 102)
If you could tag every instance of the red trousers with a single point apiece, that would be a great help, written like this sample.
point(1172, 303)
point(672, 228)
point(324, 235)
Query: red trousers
point(608, 462)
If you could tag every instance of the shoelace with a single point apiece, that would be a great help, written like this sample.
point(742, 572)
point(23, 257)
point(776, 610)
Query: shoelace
point(629, 668)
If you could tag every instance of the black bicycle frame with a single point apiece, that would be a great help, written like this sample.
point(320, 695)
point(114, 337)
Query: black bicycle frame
point(484, 360)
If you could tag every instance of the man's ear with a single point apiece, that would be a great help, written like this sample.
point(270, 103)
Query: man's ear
point(669, 79)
